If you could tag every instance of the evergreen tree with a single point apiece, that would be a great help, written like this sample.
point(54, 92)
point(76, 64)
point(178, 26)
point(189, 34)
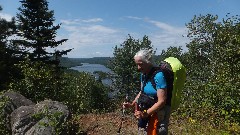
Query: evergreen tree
point(37, 32)
point(7, 52)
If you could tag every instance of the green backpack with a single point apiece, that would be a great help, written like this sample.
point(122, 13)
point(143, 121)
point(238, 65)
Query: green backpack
point(179, 72)
point(175, 74)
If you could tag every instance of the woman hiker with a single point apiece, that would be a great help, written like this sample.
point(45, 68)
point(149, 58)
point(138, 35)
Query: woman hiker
point(153, 118)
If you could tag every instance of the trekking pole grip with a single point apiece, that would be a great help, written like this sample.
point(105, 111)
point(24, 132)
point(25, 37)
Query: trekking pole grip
point(136, 107)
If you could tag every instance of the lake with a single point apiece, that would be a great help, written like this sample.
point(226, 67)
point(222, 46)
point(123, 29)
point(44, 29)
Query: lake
point(86, 67)
point(90, 68)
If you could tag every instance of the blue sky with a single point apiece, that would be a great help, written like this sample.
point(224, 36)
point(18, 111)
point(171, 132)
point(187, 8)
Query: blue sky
point(94, 27)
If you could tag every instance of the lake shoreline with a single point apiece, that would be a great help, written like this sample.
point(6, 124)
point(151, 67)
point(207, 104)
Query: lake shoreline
point(91, 68)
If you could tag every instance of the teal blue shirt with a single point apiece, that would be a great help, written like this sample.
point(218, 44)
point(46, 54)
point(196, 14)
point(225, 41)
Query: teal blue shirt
point(160, 84)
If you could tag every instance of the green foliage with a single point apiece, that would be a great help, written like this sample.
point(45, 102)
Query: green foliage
point(172, 52)
point(80, 91)
point(3, 122)
point(69, 62)
point(83, 94)
point(192, 126)
point(7, 52)
point(52, 119)
point(102, 75)
point(40, 81)
point(176, 52)
point(213, 63)
point(123, 65)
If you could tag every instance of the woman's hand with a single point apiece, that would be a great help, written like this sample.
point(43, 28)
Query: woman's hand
point(140, 114)
point(127, 105)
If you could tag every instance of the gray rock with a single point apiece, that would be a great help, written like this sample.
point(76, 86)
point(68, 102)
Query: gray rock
point(23, 117)
point(14, 101)
point(51, 114)
point(22, 120)
point(52, 107)
point(18, 99)
point(39, 129)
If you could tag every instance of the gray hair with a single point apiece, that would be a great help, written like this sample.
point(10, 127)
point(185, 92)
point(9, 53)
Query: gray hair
point(145, 55)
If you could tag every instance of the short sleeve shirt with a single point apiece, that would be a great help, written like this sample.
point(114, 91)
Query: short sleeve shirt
point(160, 84)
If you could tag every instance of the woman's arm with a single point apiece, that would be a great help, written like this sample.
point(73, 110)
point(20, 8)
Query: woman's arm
point(162, 96)
point(128, 105)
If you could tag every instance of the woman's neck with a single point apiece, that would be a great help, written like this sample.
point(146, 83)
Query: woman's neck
point(149, 69)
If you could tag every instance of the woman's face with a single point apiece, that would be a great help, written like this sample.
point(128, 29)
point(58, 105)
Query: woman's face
point(141, 65)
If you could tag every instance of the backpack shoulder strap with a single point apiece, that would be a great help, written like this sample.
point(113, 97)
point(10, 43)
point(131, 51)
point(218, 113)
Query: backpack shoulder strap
point(166, 69)
point(149, 77)
point(143, 81)
point(157, 70)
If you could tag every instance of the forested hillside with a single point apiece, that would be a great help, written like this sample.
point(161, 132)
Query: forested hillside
point(71, 62)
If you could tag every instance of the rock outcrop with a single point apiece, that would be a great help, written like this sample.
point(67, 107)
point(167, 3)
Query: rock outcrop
point(23, 117)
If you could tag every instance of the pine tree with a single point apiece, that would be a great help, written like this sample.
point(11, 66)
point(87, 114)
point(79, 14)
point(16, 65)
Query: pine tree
point(7, 52)
point(37, 31)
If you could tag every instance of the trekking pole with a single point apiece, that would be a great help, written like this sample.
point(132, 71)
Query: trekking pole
point(123, 114)
point(120, 127)
point(137, 109)
point(141, 130)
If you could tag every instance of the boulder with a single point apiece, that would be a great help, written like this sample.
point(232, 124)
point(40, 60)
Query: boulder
point(40, 119)
point(40, 129)
point(23, 117)
point(14, 100)
point(17, 100)
point(22, 120)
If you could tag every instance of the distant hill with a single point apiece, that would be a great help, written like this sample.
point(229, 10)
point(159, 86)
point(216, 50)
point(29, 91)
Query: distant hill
point(72, 62)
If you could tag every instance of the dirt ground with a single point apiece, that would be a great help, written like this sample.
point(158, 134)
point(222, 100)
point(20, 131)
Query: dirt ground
point(110, 123)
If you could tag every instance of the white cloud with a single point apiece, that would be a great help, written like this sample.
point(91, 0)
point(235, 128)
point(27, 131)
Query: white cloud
point(94, 40)
point(93, 20)
point(99, 29)
point(8, 17)
point(167, 28)
point(165, 35)
point(89, 39)
point(168, 35)
point(93, 34)
point(80, 21)
point(134, 17)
